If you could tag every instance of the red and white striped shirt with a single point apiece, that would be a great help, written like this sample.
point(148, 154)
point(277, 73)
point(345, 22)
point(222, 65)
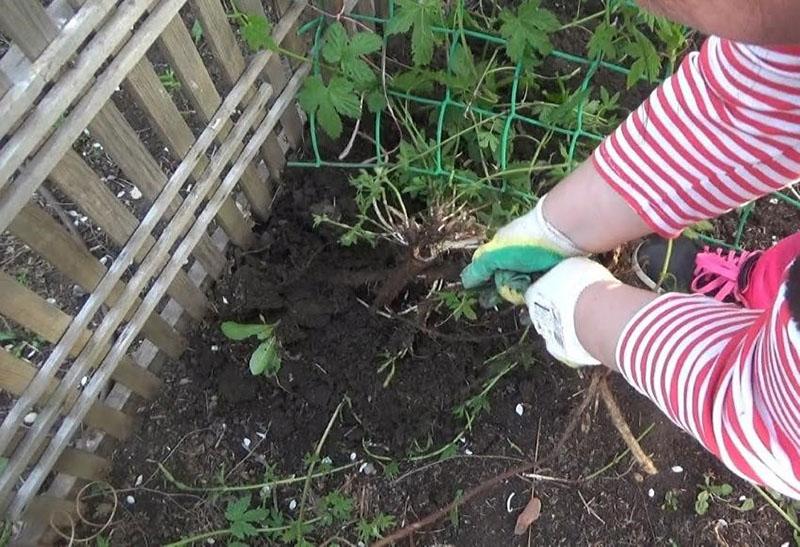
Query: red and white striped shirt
point(725, 129)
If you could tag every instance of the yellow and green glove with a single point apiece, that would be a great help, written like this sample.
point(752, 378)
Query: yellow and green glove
point(523, 247)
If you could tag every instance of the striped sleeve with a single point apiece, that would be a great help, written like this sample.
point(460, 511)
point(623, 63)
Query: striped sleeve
point(723, 130)
point(728, 376)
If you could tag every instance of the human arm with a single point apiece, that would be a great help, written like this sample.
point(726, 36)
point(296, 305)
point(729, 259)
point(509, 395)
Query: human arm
point(724, 374)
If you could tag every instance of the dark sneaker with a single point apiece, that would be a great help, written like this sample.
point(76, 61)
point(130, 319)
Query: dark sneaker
point(649, 258)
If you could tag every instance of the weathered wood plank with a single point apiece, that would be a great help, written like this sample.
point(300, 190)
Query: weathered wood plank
point(87, 107)
point(148, 92)
point(177, 45)
point(16, 375)
point(80, 183)
point(47, 237)
point(34, 313)
point(51, 107)
point(47, 65)
point(25, 24)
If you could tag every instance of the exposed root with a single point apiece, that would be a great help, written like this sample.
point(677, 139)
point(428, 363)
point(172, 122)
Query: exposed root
point(625, 432)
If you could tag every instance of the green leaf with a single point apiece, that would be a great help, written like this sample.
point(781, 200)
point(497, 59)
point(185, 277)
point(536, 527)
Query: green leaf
point(602, 41)
point(364, 43)
point(241, 529)
point(376, 101)
point(647, 62)
point(265, 359)
point(8, 336)
point(419, 16)
point(237, 508)
point(257, 32)
point(240, 331)
point(197, 31)
point(336, 43)
point(327, 102)
point(747, 505)
point(528, 30)
point(701, 503)
point(343, 98)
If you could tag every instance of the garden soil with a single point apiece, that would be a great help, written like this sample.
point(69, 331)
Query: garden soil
point(216, 423)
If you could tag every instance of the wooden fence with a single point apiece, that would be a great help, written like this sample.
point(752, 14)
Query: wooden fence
point(75, 76)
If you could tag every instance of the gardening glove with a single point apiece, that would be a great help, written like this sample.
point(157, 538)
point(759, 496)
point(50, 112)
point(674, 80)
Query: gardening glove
point(526, 245)
point(551, 303)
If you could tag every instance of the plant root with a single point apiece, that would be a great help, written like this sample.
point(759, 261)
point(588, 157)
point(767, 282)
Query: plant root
point(621, 424)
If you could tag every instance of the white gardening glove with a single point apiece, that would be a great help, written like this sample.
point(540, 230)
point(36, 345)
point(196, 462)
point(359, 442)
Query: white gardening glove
point(551, 303)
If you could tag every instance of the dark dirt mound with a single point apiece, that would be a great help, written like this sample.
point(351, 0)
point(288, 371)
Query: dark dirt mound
point(213, 413)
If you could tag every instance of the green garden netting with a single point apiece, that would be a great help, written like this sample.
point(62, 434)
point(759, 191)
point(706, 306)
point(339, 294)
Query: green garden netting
point(508, 116)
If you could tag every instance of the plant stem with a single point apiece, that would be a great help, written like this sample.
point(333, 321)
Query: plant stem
point(281, 482)
point(778, 508)
point(665, 267)
point(581, 21)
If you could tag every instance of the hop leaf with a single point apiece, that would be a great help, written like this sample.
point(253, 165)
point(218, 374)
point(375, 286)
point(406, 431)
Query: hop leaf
point(647, 64)
point(527, 30)
point(422, 15)
point(257, 32)
point(347, 52)
point(328, 102)
point(602, 42)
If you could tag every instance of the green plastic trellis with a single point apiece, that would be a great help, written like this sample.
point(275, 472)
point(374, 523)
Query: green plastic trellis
point(509, 117)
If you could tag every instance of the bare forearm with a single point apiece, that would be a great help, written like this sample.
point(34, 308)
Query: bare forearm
point(751, 21)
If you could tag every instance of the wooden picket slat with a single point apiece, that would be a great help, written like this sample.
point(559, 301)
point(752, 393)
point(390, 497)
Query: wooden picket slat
point(148, 92)
point(52, 106)
point(223, 44)
point(34, 313)
point(51, 60)
point(24, 23)
point(80, 183)
point(47, 237)
point(16, 375)
point(177, 44)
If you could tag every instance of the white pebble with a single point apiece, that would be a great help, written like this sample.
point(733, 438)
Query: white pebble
point(119, 195)
point(468, 452)
point(215, 348)
point(773, 201)
point(97, 146)
point(353, 456)
point(224, 300)
point(742, 498)
point(508, 501)
point(84, 381)
point(677, 469)
point(136, 193)
point(139, 480)
point(211, 541)
point(30, 417)
point(367, 468)
point(261, 435)
point(130, 500)
point(520, 409)
point(246, 443)
point(51, 300)
point(292, 505)
point(651, 493)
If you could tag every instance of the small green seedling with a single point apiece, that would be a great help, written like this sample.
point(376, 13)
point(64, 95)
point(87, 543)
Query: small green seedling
point(197, 32)
point(266, 358)
point(374, 529)
point(671, 500)
point(709, 492)
point(169, 80)
point(255, 30)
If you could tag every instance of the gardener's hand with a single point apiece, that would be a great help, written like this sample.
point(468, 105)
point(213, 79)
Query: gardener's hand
point(527, 245)
point(552, 301)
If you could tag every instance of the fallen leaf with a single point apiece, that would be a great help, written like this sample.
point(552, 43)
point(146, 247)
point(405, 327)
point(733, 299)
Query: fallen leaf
point(528, 516)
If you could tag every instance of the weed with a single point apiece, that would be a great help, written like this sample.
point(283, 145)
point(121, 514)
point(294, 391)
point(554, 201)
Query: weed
point(459, 305)
point(197, 32)
point(389, 361)
point(369, 529)
point(255, 30)
point(266, 358)
point(709, 492)
point(169, 80)
point(671, 502)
